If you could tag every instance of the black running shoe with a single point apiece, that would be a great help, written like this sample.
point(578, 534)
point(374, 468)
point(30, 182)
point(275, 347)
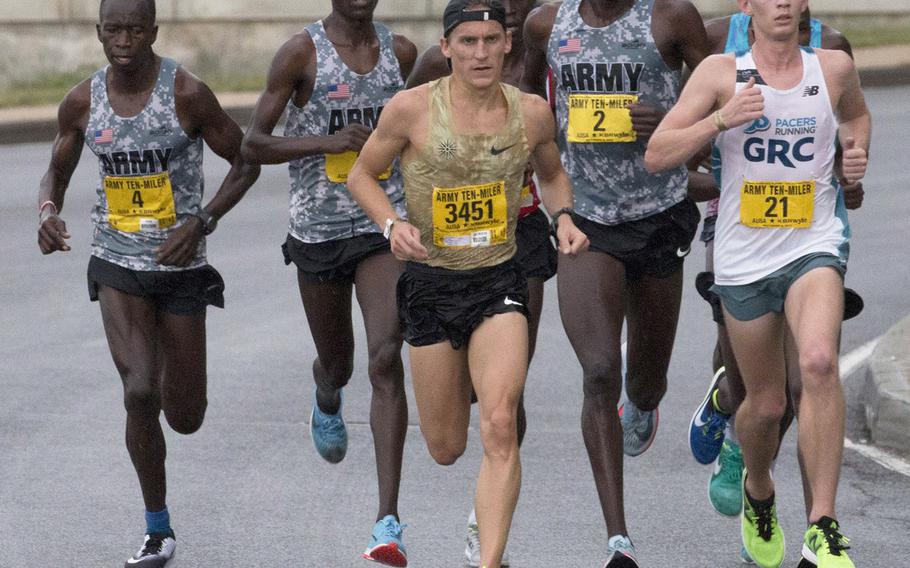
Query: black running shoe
point(156, 550)
point(853, 304)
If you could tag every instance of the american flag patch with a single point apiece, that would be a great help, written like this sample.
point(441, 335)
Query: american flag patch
point(105, 136)
point(339, 91)
point(569, 45)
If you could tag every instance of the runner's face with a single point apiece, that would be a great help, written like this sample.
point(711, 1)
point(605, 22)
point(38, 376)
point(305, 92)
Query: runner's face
point(477, 50)
point(126, 33)
point(355, 9)
point(516, 13)
point(776, 19)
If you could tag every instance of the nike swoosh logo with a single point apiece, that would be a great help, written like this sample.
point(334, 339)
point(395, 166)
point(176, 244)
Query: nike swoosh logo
point(510, 302)
point(680, 252)
point(497, 151)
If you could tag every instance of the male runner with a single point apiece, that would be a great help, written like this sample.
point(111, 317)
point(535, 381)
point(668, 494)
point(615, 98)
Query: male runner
point(617, 70)
point(465, 141)
point(779, 256)
point(145, 117)
point(334, 78)
point(535, 256)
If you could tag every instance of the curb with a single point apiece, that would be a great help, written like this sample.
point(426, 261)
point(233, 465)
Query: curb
point(41, 125)
point(887, 389)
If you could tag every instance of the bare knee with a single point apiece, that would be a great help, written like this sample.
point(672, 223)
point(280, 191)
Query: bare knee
point(385, 366)
point(499, 432)
point(818, 368)
point(602, 381)
point(186, 420)
point(445, 450)
point(767, 408)
point(140, 395)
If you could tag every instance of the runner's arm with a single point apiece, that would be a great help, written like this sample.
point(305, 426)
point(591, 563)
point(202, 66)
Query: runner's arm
point(431, 65)
point(391, 137)
point(690, 125)
point(536, 36)
point(555, 185)
point(855, 122)
point(293, 69)
point(72, 118)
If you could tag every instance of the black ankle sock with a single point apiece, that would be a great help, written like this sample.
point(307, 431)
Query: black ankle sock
point(759, 503)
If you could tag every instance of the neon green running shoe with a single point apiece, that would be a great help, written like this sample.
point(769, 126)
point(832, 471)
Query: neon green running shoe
point(762, 535)
point(825, 546)
point(725, 488)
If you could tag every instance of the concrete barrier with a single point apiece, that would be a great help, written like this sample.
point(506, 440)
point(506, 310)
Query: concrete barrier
point(887, 396)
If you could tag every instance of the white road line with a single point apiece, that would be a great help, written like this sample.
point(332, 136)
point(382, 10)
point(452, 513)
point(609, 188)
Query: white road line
point(849, 363)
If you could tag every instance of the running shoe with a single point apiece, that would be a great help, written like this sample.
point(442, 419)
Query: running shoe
point(472, 548)
point(725, 488)
point(330, 436)
point(385, 544)
point(763, 538)
point(620, 553)
point(639, 427)
point(803, 563)
point(744, 556)
point(157, 549)
point(853, 304)
point(706, 429)
point(825, 546)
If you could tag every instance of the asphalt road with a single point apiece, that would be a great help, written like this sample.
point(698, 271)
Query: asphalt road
point(249, 490)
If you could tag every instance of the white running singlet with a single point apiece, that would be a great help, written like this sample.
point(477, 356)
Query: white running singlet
point(777, 203)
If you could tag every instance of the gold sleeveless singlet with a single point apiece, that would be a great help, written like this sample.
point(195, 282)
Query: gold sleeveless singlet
point(463, 191)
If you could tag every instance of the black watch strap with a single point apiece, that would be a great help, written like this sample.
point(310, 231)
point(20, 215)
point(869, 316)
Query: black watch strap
point(209, 221)
point(554, 222)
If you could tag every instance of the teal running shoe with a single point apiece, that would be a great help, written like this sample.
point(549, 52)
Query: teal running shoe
point(706, 429)
point(725, 487)
point(330, 436)
point(639, 428)
point(385, 545)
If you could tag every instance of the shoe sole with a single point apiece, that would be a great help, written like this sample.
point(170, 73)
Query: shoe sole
point(698, 411)
point(809, 559)
point(386, 554)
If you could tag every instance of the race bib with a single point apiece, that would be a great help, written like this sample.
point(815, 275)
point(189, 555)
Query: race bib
point(600, 118)
point(140, 203)
point(777, 204)
point(527, 198)
point(470, 216)
point(338, 166)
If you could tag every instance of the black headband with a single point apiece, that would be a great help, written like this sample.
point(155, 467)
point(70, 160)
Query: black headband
point(456, 13)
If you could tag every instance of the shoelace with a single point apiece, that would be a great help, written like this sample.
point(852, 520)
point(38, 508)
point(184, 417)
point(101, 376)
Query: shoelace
point(473, 537)
point(152, 546)
point(837, 542)
point(731, 466)
point(764, 520)
point(637, 419)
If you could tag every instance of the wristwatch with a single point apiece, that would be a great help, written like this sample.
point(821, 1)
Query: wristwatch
point(387, 230)
point(209, 221)
point(554, 220)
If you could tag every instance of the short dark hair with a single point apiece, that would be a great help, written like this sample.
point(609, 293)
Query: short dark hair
point(149, 6)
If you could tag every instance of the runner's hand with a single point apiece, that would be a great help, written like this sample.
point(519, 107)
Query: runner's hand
point(853, 162)
point(745, 106)
point(405, 242)
point(570, 239)
point(351, 138)
point(645, 119)
point(52, 234)
point(853, 194)
point(180, 247)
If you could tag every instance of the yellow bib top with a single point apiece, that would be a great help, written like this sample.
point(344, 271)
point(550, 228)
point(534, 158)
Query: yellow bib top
point(463, 191)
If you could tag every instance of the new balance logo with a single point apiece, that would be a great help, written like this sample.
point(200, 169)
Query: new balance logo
point(810, 91)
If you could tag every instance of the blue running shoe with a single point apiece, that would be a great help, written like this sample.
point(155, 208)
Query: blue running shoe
point(706, 429)
point(620, 553)
point(330, 437)
point(385, 545)
point(639, 427)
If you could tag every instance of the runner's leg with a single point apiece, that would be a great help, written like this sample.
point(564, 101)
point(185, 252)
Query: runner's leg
point(375, 288)
point(442, 390)
point(183, 378)
point(591, 299)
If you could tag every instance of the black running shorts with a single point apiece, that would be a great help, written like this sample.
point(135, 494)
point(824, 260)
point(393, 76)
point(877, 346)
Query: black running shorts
point(536, 255)
point(438, 304)
point(180, 292)
point(654, 246)
point(331, 260)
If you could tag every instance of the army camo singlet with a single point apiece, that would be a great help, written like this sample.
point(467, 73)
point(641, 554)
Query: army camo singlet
point(598, 72)
point(464, 190)
point(150, 175)
point(321, 207)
